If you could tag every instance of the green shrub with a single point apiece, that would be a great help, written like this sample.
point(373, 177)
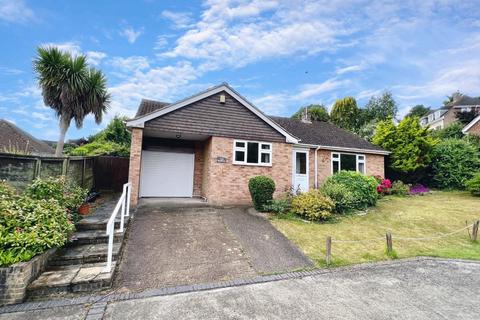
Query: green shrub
point(473, 185)
point(261, 189)
point(399, 188)
point(30, 226)
point(66, 194)
point(313, 205)
point(454, 162)
point(6, 191)
point(97, 148)
point(278, 206)
point(341, 195)
point(363, 189)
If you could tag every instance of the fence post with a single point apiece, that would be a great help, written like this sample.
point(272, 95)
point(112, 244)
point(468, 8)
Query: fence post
point(328, 257)
point(38, 166)
point(65, 167)
point(475, 230)
point(389, 242)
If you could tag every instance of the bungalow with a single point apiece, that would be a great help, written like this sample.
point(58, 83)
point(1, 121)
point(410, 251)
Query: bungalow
point(210, 144)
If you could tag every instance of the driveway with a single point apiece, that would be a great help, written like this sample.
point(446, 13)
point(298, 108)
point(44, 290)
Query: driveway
point(171, 246)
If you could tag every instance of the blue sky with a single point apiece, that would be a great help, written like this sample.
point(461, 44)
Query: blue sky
point(279, 54)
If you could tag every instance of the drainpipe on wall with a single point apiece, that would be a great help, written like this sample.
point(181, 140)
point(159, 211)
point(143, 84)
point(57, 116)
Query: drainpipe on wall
point(316, 167)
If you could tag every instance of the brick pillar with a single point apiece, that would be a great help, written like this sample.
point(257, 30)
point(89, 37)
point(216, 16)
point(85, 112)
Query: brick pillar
point(135, 161)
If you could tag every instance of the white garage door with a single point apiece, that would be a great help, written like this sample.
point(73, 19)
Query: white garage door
point(166, 174)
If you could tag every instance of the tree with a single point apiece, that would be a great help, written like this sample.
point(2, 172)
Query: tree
point(70, 88)
point(380, 108)
point(316, 112)
point(345, 113)
point(454, 162)
point(410, 145)
point(451, 98)
point(113, 140)
point(418, 111)
point(453, 131)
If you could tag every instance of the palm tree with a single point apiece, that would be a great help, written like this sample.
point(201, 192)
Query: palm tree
point(70, 88)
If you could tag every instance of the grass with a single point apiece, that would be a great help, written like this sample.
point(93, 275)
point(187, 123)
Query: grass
point(419, 216)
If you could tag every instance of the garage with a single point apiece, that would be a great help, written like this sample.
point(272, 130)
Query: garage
point(167, 173)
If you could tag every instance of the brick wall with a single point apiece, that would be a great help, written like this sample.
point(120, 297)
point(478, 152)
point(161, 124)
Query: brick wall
point(15, 279)
point(135, 162)
point(475, 129)
point(227, 184)
point(198, 169)
point(375, 165)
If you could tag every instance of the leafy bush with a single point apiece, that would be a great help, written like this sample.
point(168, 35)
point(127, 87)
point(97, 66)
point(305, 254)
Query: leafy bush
point(418, 189)
point(278, 206)
point(362, 187)
point(473, 185)
point(399, 188)
point(30, 226)
point(6, 191)
point(454, 162)
point(341, 195)
point(67, 195)
point(261, 189)
point(97, 148)
point(313, 205)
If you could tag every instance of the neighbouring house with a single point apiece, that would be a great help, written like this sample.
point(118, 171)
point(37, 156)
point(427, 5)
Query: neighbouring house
point(210, 144)
point(18, 141)
point(473, 127)
point(461, 107)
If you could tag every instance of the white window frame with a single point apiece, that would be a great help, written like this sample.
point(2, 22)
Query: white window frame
point(357, 161)
point(260, 152)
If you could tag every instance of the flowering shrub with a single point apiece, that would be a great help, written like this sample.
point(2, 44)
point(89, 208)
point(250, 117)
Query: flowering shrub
point(399, 188)
point(384, 187)
point(418, 189)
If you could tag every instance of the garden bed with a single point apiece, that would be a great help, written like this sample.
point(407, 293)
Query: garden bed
point(412, 216)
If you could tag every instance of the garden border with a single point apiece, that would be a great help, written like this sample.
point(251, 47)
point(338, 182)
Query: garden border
point(15, 279)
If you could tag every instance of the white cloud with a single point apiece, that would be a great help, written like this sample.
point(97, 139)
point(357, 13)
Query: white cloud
point(349, 69)
point(40, 116)
point(10, 71)
point(72, 47)
point(95, 57)
point(130, 64)
point(131, 34)
point(15, 11)
point(316, 89)
point(180, 20)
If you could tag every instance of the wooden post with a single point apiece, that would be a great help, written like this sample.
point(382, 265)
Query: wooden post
point(475, 230)
point(389, 242)
point(328, 257)
point(38, 166)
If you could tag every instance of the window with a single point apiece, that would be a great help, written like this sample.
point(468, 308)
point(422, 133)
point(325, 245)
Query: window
point(252, 153)
point(465, 109)
point(301, 163)
point(348, 161)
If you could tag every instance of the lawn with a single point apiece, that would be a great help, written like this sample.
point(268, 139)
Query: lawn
point(418, 216)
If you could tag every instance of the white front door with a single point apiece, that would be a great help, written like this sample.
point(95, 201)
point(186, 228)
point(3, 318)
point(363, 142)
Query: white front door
point(300, 170)
point(166, 174)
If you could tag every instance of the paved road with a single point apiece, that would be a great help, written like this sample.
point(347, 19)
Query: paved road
point(408, 289)
point(428, 289)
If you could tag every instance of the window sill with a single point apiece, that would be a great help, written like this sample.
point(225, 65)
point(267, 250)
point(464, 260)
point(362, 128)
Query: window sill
point(252, 164)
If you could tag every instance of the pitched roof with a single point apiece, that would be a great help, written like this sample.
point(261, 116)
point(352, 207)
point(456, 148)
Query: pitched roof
point(148, 106)
point(16, 138)
point(463, 100)
point(325, 134)
point(471, 124)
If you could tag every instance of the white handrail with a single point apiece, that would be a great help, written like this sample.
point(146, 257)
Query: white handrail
point(123, 205)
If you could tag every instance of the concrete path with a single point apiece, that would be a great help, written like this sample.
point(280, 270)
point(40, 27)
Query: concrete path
point(428, 289)
point(269, 250)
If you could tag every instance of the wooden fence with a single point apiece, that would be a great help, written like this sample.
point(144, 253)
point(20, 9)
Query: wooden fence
point(110, 173)
point(21, 170)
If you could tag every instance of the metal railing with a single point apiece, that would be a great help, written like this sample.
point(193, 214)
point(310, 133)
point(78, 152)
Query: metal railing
point(122, 206)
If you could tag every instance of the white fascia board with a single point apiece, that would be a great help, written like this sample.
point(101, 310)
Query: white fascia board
point(140, 122)
point(471, 124)
point(345, 149)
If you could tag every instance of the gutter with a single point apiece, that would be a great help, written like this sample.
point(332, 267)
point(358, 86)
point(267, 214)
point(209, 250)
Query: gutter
point(345, 149)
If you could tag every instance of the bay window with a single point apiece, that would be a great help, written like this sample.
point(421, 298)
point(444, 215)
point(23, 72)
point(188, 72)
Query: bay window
point(348, 161)
point(252, 153)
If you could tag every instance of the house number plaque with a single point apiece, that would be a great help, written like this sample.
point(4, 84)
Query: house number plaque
point(221, 160)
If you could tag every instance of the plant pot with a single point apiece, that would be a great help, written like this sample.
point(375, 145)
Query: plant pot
point(84, 209)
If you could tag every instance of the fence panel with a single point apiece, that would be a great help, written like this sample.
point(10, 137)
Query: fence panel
point(18, 171)
point(110, 173)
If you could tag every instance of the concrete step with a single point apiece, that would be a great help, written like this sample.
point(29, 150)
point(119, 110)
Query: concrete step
point(93, 237)
point(70, 279)
point(85, 253)
point(97, 223)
